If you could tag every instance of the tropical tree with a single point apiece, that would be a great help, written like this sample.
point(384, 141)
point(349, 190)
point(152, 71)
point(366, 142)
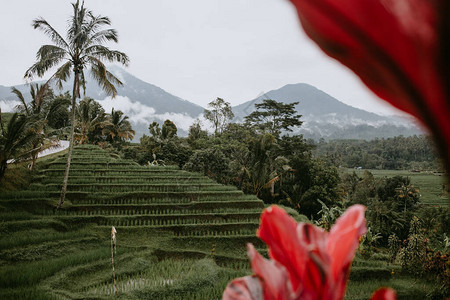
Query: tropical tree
point(119, 128)
point(91, 120)
point(40, 108)
point(196, 134)
point(220, 114)
point(82, 49)
point(16, 140)
point(272, 117)
point(164, 133)
point(262, 160)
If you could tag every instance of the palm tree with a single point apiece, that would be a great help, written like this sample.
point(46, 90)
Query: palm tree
point(81, 49)
point(261, 160)
point(91, 119)
point(16, 140)
point(120, 128)
point(38, 112)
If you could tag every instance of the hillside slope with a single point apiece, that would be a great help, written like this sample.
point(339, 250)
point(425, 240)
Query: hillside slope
point(326, 117)
point(168, 222)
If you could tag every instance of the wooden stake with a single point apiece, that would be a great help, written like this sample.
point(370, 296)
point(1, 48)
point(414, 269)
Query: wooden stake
point(113, 250)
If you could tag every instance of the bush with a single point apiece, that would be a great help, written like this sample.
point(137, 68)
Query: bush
point(211, 162)
point(437, 265)
point(368, 273)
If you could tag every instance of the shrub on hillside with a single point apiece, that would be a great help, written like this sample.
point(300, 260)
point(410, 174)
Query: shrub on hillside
point(211, 162)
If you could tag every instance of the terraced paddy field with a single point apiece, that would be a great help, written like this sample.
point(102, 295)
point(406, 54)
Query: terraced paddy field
point(180, 235)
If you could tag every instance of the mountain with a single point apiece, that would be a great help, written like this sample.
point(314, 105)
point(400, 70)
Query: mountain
point(326, 117)
point(323, 115)
point(141, 101)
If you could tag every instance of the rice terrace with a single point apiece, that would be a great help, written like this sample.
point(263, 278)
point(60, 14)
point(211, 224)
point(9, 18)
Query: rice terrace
point(179, 235)
point(114, 188)
point(174, 228)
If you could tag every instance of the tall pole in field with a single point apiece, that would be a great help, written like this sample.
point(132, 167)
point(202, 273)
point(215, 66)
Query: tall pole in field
point(113, 250)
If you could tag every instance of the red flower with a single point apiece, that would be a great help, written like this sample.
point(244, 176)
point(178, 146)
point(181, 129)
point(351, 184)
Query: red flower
point(307, 262)
point(399, 48)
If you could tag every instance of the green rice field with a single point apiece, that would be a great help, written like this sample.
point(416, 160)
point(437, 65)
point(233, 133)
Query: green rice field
point(179, 235)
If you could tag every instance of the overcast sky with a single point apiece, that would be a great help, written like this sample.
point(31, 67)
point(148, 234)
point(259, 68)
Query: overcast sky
point(197, 50)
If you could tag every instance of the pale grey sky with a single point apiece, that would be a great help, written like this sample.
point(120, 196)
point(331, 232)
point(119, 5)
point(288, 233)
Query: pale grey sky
point(197, 50)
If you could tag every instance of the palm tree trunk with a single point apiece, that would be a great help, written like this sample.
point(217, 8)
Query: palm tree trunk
point(33, 162)
point(3, 166)
point(34, 157)
point(72, 131)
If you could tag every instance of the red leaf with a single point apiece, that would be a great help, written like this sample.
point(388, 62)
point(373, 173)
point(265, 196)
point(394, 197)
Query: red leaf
point(395, 47)
point(384, 294)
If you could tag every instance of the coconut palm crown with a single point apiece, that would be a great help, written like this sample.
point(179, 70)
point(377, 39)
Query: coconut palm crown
point(81, 50)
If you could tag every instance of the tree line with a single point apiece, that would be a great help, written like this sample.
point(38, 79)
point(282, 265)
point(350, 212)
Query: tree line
point(397, 153)
point(259, 156)
point(41, 123)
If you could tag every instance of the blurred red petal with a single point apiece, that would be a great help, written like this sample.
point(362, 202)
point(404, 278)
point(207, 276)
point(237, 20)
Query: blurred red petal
point(384, 294)
point(244, 288)
point(314, 240)
point(393, 46)
point(278, 231)
point(343, 241)
point(273, 274)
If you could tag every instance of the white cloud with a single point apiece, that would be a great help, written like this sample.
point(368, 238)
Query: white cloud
point(141, 113)
point(198, 50)
point(8, 105)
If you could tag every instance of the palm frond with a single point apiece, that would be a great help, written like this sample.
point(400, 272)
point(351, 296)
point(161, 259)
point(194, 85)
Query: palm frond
point(95, 22)
point(105, 54)
point(103, 36)
point(56, 38)
point(61, 75)
point(33, 89)
point(39, 94)
point(17, 138)
point(75, 33)
point(19, 95)
point(48, 56)
point(56, 107)
point(103, 77)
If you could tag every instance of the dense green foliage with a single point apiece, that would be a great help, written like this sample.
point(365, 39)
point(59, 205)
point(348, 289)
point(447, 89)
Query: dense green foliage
point(180, 235)
point(398, 153)
point(274, 117)
point(184, 208)
point(257, 158)
point(93, 125)
point(37, 125)
point(16, 140)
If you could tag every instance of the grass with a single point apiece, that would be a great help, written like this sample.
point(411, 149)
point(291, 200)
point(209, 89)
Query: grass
point(406, 288)
point(430, 184)
point(172, 242)
point(65, 254)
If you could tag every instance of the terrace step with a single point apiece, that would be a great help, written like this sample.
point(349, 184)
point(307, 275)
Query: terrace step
point(93, 165)
point(129, 198)
point(231, 230)
point(115, 172)
point(108, 191)
point(180, 187)
point(128, 179)
point(168, 219)
point(193, 207)
point(158, 209)
point(146, 197)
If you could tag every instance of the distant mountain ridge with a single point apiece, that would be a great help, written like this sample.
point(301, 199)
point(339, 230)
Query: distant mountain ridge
point(326, 117)
point(323, 115)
